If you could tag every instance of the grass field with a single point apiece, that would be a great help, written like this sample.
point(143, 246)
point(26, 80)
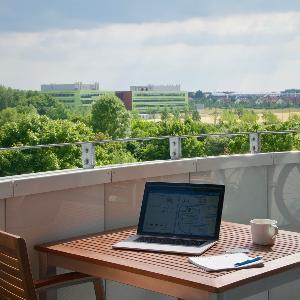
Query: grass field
point(208, 115)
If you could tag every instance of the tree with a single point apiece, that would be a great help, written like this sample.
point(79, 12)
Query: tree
point(81, 114)
point(151, 111)
point(9, 97)
point(270, 118)
point(193, 111)
point(59, 112)
point(35, 130)
point(196, 115)
point(176, 113)
point(135, 114)
point(165, 114)
point(13, 114)
point(239, 111)
point(198, 94)
point(110, 116)
point(215, 115)
point(8, 115)
point(26, 109)
point(33, 102)
point(186, 111)
point(249, 116)
point(228, 118)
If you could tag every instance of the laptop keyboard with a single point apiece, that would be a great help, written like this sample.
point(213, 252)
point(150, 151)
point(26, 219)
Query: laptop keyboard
point(169, 241)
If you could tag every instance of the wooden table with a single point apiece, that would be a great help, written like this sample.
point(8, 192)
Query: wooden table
point(172, 274)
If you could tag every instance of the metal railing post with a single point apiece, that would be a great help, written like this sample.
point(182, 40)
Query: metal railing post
point(254, 138)
point(88, 155)
point(175, 147)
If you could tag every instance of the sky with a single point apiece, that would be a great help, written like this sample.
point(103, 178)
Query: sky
point(243, 46)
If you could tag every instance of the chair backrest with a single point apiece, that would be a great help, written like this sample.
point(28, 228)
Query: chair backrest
point(15, 275)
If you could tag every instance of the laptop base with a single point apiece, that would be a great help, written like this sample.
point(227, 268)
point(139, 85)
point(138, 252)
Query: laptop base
point(153, 247)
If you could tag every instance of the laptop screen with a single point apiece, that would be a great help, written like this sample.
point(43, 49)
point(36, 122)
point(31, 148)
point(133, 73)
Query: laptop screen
point(181, 210)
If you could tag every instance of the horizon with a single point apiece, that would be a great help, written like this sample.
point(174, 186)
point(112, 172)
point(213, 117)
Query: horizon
point(192, 91)
point(249, 47)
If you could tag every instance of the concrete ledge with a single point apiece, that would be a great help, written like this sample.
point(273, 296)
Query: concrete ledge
point(289, 157)
point(153, 169)
point(60, 181)
point(27, 184)
point(234, 161)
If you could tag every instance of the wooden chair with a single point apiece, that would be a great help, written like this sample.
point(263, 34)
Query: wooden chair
point(16, 281)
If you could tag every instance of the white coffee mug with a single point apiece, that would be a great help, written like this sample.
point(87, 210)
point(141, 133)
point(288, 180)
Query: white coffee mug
point(263, 231)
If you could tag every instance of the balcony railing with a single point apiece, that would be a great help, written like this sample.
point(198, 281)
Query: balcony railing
point(175, 144)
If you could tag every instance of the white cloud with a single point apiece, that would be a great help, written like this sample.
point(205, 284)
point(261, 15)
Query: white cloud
point(256, 52)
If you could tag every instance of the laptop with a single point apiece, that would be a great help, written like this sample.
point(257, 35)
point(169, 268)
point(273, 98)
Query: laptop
point(178, 218)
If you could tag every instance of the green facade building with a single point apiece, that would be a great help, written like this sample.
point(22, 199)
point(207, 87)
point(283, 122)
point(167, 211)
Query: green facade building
point(76, 94)
point(144, 99)
point(147, 101)
point(153, 98)
point(81, 98)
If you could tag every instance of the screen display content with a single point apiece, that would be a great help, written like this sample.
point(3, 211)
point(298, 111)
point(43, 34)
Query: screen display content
point(192, 213)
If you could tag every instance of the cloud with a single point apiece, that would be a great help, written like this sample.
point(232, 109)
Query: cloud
point(257, 52)
point(36, 15)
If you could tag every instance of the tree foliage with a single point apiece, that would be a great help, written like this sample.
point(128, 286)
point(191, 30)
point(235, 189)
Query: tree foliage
point(228, 118)
point(110, 116)
point(199, 94)
point(37, 130)
point(33, 118)
point(270, 118)
point(33, 102)
point(8, 114)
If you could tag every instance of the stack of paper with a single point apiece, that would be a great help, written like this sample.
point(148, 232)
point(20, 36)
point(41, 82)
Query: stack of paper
point(226, 262)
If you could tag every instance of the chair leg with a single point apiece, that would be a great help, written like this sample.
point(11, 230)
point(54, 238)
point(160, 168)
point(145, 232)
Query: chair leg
point(99, 290)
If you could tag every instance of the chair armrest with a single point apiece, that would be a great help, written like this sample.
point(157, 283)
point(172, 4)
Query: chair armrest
point(62, 280)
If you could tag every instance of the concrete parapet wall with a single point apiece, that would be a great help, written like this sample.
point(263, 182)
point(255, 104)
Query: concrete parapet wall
point(54, 205)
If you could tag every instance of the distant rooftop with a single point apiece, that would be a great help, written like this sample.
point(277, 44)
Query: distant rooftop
point(70, 86)
point(156, 88)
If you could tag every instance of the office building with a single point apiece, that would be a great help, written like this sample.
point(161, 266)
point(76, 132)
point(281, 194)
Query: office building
point(142, 98)
point(70, 86)
point(155, 88)
point(157, 97)
point(76, 94)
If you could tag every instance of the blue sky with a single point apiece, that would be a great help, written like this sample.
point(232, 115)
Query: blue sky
point(36, 15)
point(210, 45)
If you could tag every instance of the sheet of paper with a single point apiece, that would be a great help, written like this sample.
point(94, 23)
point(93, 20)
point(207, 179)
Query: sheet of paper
point(223, 262)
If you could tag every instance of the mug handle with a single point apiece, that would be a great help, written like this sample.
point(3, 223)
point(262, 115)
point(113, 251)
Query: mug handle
point(275, 231)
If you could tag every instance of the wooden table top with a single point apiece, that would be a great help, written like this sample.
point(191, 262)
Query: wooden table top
point(97, 249)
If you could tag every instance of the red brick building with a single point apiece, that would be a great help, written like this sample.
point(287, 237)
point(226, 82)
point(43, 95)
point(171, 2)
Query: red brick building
point(126, 97)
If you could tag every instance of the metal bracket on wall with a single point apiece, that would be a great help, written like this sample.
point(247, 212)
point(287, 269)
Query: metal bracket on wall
point(254, 138)
point(175, 147)
point(88, 155)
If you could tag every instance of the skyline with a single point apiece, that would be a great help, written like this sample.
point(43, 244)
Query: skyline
point(72, 84)
point(249, 47)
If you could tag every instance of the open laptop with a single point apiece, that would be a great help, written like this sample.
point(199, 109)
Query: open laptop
point(178, 217)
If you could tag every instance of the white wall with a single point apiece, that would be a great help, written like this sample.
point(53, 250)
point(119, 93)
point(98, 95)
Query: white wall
point(54, 205)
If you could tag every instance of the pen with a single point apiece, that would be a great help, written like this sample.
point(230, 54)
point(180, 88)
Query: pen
point(248, 261)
